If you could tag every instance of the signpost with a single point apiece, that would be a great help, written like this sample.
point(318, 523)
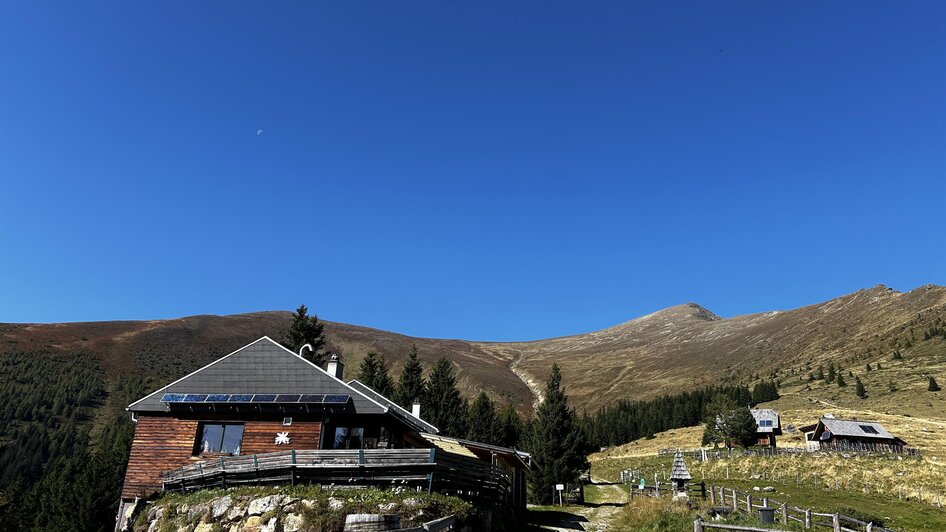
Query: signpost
point(560, 488)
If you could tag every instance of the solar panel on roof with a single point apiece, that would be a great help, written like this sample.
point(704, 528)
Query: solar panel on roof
point(241, 398)
point(336, 398)
point(172, 398)
point(218, 398)
point(312, 398)
point(264, 398)
point(195, 398)
point(287, 398)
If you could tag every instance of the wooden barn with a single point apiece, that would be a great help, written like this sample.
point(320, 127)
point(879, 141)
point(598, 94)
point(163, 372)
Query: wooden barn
point(768, 426)
point(853, 435)
point(265, 414)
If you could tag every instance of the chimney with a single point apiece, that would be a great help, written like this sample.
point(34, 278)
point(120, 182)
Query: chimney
point(335, 367)
point(415, 408)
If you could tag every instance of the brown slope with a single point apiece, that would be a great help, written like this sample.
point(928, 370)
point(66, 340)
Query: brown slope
point(169, 349)
point(686, 347)
point(679, 348)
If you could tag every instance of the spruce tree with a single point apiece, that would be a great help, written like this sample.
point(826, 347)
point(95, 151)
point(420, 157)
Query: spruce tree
point(897, 355)
point(869, 368)
point(932, 386)
point(484, 425)
point(374, 373)
point(859, 388)
point(831, 372)
point(744, 427)
point(305, 329)
point(555, 441)
point(444, 407)
point(841, 382)
point(820, 374)
point(411, 384)
point(511, 426)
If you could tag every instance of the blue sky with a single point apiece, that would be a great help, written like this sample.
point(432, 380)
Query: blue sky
point(483, 170)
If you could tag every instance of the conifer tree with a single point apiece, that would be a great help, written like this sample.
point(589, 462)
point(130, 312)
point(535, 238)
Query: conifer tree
point(728, 423)
point(859, 388)
point(897, 355)
point(831, 372)
point(820, 374)
point(764, 391)
point(869, 368)
point(445, 409)
point(932, 386)
point(374, 373)
point(411, 384)
point(841, 382)
point(484, 425)
point(511, 426)
point(556, 442)
point(306, 329)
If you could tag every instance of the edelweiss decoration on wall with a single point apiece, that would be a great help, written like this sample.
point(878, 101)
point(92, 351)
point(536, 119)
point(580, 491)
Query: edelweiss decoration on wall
point(282, 438)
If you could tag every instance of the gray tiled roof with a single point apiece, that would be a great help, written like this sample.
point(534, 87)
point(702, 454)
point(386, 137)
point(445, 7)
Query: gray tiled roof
point(844, 427)
point(263, 366)
point(394, 408)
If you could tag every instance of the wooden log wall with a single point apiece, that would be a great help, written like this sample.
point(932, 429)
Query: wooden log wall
point(164, 443)
point(160, 444)
point(260, 436)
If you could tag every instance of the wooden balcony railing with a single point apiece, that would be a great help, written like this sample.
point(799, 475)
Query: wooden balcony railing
point(430, 469)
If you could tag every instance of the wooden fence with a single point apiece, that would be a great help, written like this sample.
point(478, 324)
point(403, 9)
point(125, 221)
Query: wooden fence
point(661, 488)
point(430, 469)
point(737, 500)
point(858, 448)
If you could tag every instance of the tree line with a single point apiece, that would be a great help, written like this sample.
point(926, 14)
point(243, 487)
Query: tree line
point(54, 475)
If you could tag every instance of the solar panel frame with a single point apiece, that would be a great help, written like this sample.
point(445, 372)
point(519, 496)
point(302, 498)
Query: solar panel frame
point(264, 398)
point(312, 398)
point(218, 398)
point(287, 398)
point(240, 398)
point(173, 398)
point(195, 398)
point(336, 399)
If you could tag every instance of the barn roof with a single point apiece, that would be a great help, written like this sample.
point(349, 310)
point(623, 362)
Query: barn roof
point(856, 428)
point(262, 367)
point(679, 470)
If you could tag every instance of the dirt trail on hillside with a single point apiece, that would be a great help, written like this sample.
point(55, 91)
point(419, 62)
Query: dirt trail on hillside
point(593, 516)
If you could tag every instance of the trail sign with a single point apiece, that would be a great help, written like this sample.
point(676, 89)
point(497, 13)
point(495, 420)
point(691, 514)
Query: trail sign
point(560, 487)
point(641, 484)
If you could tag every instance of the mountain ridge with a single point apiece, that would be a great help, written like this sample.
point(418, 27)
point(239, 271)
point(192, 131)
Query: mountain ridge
point(678, 348)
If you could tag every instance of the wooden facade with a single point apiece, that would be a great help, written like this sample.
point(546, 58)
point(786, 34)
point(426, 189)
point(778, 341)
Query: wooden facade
point(160, 444)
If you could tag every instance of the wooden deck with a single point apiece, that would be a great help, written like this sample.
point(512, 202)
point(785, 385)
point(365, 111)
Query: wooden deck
point(427, 469)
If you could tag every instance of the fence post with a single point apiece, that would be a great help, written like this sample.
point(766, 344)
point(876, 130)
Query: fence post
point(836, 522)
point(712, 496)
point(765, 502)
point(698, 524)
point(735, 501)
point(870, 527)
point(703, 489)
point(784, 513)
point(749, 503)
point(808, 518)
